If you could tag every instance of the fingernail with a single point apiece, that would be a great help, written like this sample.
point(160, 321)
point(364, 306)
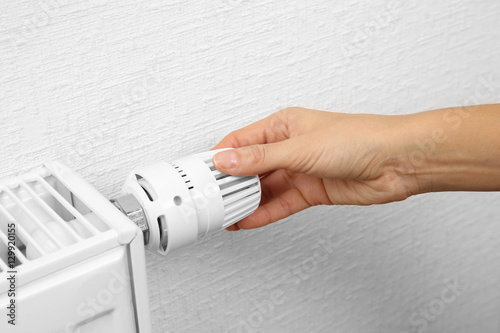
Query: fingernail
point(225, 160)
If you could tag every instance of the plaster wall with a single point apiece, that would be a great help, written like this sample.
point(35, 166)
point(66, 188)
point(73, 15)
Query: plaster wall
point(105, 86)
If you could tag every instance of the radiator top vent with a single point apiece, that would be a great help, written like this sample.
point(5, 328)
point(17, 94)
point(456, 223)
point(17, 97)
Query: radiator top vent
point(39, 216)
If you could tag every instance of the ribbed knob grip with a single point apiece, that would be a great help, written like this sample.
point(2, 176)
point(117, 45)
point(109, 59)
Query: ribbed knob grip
point(241, 195)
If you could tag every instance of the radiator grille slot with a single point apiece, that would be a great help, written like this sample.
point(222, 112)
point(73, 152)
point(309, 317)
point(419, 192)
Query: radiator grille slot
point(40, 216)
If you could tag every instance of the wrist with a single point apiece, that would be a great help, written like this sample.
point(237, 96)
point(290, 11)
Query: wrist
point(404, 166)
point(453, 149)
point(416, 144)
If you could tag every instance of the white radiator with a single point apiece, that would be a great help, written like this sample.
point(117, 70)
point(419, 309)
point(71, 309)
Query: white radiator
point(79, 262)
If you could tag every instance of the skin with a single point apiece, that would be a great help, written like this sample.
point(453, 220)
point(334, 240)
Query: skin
point(308, 157)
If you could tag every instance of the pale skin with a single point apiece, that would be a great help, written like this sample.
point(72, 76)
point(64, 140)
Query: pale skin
point(309, 157)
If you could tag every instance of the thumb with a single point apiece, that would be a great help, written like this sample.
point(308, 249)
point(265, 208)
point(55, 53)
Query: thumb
point(255, 159)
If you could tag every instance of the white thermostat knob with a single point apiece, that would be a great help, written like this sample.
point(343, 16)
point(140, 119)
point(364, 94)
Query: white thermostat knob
point(177, 203)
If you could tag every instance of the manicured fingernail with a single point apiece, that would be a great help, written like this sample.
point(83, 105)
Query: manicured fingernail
point(225, 160)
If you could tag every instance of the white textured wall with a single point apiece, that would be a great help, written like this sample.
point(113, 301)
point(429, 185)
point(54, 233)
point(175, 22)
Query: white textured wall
point(107, 85)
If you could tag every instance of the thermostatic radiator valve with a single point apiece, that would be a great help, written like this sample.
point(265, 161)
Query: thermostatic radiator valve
point(177, 203)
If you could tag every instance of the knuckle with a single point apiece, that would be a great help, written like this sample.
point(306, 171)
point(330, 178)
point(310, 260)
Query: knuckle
point(232, 140)
point(257, 154)
point(285, 205)
point(290, 120)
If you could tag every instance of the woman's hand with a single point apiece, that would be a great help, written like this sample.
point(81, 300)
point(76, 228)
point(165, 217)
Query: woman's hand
point(308, 157)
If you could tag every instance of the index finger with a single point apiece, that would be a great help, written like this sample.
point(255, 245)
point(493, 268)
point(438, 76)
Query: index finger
point(271, 129)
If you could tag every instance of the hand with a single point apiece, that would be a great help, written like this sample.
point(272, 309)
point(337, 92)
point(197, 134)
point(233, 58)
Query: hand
point(308, 157)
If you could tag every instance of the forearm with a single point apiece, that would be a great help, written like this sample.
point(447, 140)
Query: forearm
point(456, 149)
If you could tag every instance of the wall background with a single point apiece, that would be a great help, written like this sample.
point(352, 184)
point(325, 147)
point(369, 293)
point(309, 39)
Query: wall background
point(105, 86)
